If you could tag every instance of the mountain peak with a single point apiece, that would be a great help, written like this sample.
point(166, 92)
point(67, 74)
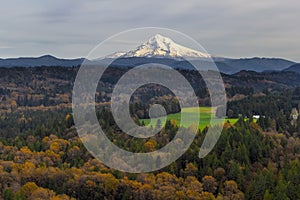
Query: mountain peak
point(159, 39)
point(161, 46)
point(158, 36)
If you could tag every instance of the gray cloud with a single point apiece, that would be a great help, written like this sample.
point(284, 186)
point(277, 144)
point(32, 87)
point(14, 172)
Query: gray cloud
point(71, 28)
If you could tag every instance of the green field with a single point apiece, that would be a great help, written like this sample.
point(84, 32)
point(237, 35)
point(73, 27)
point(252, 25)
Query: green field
point(206, 113)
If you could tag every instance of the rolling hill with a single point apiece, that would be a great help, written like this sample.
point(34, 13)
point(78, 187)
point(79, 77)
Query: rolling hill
point(293, 68)
point(46, 60)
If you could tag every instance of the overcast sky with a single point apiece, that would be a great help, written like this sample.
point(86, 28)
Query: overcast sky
point(71, 28)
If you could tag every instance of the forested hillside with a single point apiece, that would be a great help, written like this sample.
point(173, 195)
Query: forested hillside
point(42, 157)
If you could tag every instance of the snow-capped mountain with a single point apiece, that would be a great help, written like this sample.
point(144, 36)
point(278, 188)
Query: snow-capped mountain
point(162, 50)
point(160, 46)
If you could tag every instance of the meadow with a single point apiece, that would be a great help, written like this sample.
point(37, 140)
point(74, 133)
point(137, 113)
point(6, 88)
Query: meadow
point(207, 114)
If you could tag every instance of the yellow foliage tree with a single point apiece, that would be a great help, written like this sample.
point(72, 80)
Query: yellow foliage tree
point(55, 147)
point(28, 189)
point(150, 145)
point(42, 193)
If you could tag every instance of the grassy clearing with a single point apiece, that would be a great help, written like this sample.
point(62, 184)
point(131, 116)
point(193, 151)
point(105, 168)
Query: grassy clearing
point(206, 114)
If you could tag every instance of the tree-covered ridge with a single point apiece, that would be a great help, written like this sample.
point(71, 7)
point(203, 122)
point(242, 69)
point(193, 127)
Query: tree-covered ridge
point(52, 86)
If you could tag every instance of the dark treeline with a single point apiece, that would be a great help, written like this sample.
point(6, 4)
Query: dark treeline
point(49, 86)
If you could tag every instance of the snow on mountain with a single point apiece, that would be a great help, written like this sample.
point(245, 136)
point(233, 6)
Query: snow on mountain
point(160, 46)
point(115, 55)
